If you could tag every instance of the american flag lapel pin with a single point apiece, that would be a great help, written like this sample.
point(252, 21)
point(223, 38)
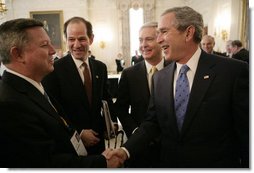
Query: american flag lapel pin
point(206, 77)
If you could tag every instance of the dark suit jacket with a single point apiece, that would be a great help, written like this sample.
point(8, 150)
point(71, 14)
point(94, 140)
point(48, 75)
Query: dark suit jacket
point(215, 132)
point(242, 55)
point(133, 91)
point(218, 53)
point(136, 60)
point(32, 132)
point(65, 84)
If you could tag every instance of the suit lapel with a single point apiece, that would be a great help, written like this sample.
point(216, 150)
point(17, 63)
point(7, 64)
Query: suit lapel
point(96, 77)
point(75, 79)
point(202, 80)
point(164, 82)
point(171, 108)
point(33, 94)
point(143, 79)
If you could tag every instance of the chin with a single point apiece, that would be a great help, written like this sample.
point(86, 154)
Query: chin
point(51, 69)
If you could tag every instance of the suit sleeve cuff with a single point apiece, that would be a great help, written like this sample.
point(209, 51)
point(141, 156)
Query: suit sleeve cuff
point(126, 151)
point(134, 130)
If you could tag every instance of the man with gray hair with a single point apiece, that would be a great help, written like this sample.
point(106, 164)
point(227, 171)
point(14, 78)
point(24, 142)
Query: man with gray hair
point(199, 103)
point(134, 92)
point(208, 43)
point(33, 129)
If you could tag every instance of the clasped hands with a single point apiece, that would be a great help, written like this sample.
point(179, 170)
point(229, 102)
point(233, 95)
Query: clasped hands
point(115, 157)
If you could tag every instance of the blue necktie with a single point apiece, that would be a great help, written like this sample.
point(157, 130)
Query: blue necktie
point(181, 95)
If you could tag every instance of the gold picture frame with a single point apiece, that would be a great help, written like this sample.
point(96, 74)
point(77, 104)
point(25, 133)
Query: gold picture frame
point(53, 24)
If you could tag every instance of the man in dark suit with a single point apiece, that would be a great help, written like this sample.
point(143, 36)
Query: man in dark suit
point(136, 58)
point(208, 43)
point(239, 52)
point(134, 91)
point(33, 131)
point(214, 129)
point(68, 85)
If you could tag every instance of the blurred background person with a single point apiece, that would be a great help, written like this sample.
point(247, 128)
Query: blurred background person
point(90, 55)
point(239, 52)
point(136, 58)
point(119, 63)
point(58, 55)
point(228, 47)
point(208, 43)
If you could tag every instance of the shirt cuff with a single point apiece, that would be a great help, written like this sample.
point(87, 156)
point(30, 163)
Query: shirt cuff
point(126, 151)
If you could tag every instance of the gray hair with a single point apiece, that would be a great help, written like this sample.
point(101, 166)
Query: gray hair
point(13, 33)
point(185, 17)
point(149, 25)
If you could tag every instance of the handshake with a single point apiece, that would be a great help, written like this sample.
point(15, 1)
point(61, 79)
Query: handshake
point(115, 157)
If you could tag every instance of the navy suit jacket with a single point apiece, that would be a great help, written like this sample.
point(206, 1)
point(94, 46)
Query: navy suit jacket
point(66, 85)
point(215, 132)
point(32, 133)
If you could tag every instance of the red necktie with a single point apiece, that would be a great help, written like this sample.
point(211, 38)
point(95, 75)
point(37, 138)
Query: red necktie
point(87, 83)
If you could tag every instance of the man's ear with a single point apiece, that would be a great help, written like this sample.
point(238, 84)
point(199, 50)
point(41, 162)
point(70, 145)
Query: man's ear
point(91, 39)
point(16, 54)
point(189, 33)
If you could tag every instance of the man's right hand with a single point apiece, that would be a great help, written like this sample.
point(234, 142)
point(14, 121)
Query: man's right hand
point(89, 137)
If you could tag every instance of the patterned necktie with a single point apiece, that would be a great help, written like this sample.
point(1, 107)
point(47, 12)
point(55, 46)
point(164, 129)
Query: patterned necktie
point(152, 71)
point(181, 95)
point(87, 83)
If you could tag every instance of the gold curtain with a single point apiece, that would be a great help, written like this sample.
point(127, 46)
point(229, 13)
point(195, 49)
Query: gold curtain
point(245, 24)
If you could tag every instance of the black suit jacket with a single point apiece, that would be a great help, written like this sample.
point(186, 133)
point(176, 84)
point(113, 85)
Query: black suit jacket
point(133, 91)
point(32, 132)
point(215, 132)
point(66, 85)
point(242, 55)
point(136, 60)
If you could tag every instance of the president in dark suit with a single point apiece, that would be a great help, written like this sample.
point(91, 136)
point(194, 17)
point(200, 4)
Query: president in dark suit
point(213, 131)
point(68, 84)
point(33, 130)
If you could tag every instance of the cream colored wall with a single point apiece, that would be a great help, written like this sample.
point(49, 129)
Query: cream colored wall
point(104, 14)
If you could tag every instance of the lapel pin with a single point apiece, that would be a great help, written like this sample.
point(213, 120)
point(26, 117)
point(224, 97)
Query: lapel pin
point(97, 76)
point(206, 77)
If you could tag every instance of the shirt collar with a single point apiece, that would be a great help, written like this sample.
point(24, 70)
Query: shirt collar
point(79, 62)
point(159, 66)
point(192, 63)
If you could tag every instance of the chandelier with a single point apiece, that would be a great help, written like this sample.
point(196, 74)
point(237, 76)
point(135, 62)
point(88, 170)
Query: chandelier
point(3, 8)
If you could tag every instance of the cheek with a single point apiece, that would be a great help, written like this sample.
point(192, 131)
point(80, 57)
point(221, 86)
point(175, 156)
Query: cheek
point(69, 44)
